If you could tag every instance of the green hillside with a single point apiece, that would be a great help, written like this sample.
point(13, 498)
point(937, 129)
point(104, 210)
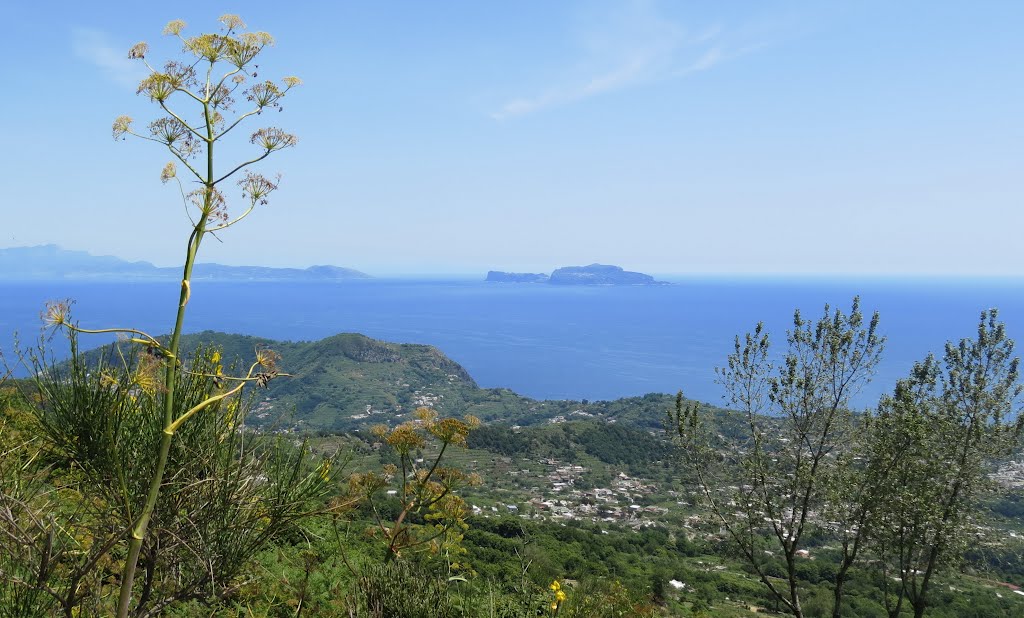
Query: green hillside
point(589, 493)
point(349, 381)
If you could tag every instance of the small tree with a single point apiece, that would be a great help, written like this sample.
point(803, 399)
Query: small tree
point(798, 418)
point(945, 426)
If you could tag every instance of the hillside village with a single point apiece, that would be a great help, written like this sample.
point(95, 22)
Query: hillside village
point(558, 498)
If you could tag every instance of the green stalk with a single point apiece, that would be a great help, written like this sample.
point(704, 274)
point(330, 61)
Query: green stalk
point(170, 380)
point(408, 507)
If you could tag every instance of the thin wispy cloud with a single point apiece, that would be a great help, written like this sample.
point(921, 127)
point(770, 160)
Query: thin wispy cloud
point(95, 47)
point(632, 47)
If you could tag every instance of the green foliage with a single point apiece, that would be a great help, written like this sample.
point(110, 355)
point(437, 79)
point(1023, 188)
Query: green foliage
point(400, 590)
point(24, 500)
point(902, 485)
point(621, 445)
point(798, 421)
point(944, 427)
point(231, 492)
point(602, 598)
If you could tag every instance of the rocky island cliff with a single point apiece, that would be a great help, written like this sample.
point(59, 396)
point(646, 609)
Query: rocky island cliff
point(594, 274)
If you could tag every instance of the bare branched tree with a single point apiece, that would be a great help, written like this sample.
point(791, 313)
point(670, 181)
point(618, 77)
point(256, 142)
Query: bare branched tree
point(798, 418)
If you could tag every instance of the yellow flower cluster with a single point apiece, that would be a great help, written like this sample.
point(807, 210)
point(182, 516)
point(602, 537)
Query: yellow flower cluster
point(559, 597)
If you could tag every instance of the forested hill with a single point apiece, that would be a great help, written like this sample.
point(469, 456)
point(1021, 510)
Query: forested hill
point(349, 381)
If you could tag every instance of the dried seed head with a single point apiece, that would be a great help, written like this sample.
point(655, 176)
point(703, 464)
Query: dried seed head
point(264, 94)
point(256, 187)
point(231, 22)
point(263, 379)
point(212, 47)
point(57, 313)
point(256, 39)
point(122, 124)
point(147, 374)
point(210, 202)
point(181, 75)
point(404, 438)
point(174, 27)
point(450, 430)
point(426, 415)
point(138, 51)
point(158, 86)
point(267, 358)
point(221, 97)
point(168, 130)
point(273, 138)
point(240, 51)
point(169, 171)
point(217, 119)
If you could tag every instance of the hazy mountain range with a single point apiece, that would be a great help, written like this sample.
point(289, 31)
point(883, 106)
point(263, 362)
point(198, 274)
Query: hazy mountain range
point(50, 262)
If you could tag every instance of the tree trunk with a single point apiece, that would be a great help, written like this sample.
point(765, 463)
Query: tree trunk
point(838, 594)
point(794, 592)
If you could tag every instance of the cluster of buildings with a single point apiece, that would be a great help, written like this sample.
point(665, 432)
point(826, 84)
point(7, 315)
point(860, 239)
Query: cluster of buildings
point(1010, 475)
point(562, 498)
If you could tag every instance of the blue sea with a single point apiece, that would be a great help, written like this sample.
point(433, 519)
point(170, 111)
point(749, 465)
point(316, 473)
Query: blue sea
point(547, 341)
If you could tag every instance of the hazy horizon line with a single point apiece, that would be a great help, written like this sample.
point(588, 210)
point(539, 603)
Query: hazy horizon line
point(468, 272)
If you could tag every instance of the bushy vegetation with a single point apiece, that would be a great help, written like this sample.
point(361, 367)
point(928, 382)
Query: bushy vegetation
point(900, 485)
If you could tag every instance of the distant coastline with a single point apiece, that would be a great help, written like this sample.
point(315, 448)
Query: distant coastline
point(50, 263)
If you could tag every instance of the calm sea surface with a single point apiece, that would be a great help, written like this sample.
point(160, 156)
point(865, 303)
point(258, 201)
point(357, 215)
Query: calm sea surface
point(547, 341)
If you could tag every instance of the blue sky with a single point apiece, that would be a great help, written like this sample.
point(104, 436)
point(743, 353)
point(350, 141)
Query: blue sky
point(457, 137)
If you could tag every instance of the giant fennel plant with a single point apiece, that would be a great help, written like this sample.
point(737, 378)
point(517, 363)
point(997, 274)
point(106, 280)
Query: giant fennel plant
point(171, 495)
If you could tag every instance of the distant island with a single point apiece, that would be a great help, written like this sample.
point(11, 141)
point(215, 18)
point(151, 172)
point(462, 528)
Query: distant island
point(502, 277)
point(50, 262)
point(595, 274)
